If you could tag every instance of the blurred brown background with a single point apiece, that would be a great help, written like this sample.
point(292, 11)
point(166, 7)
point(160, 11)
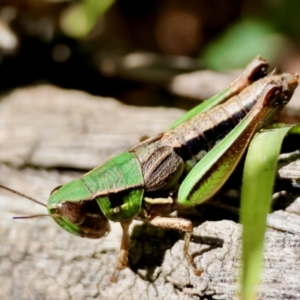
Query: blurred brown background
point(88, 44)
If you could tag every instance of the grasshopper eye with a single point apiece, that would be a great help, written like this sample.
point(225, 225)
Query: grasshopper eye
point(273, 96)
point(73, 212)
point(260, 72)
point(55, 189)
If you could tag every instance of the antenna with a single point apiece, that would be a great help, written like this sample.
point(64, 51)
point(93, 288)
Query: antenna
point(22, 195)
point(35, 216)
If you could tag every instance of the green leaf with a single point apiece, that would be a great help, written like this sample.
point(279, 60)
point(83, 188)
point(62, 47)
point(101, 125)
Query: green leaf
point(79, 19)
point(257, 189)
point(242, 41)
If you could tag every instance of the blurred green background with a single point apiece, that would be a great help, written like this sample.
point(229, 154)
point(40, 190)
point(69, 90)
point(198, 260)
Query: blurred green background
point(83, 44)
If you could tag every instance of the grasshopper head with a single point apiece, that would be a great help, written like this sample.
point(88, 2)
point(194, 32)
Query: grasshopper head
point(72, 208)
point(277, 94)
point(290, 83)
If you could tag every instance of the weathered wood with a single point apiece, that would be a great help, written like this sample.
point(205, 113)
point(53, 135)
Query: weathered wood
point(49, 127)
point(45, 127)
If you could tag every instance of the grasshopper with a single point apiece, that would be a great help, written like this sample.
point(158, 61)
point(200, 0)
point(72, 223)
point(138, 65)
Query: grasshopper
point(181, 167)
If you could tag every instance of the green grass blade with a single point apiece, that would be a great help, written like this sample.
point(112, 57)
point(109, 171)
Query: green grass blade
point(257, 189)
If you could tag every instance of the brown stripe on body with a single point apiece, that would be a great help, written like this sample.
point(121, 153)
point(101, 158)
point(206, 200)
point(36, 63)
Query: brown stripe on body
point(192, 139)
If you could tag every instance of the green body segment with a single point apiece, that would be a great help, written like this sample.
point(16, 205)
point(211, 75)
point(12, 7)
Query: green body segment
point(117, 174)
point(130, 207)
point(117, 186)
point(73, 191)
